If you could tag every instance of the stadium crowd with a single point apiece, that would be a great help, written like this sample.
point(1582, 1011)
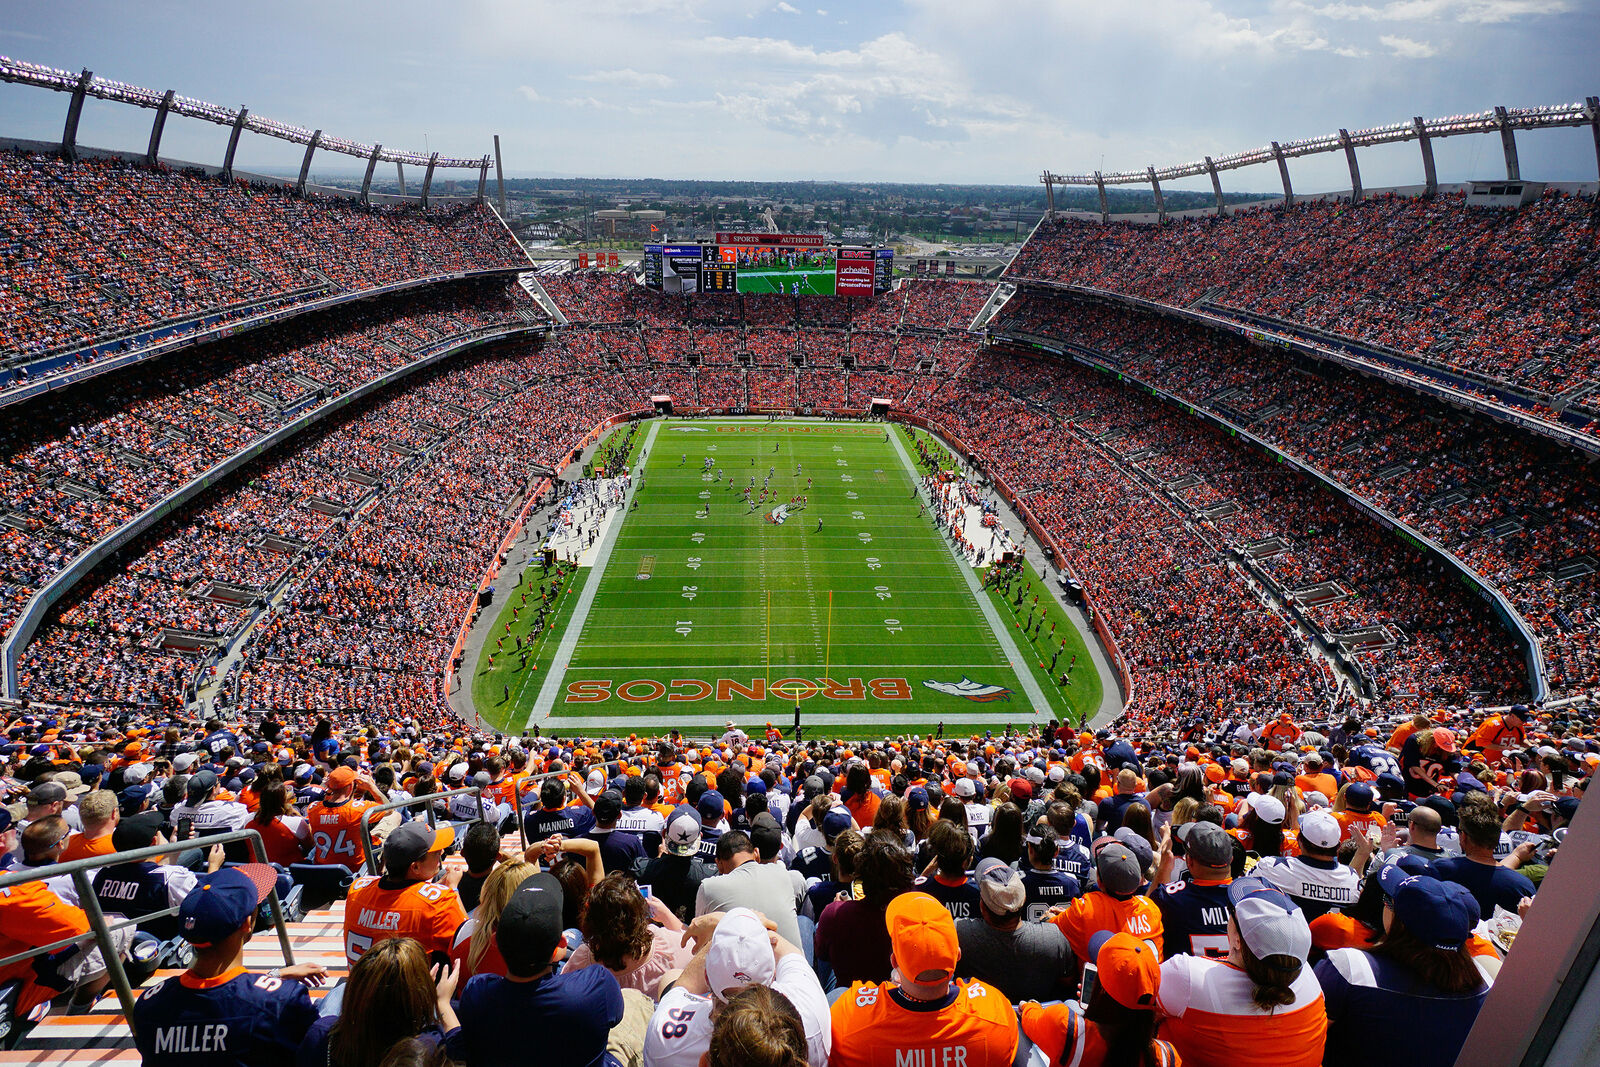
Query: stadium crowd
point(1520, 512)
point(103, 250)
point(1466, 289)
point(1261, 889)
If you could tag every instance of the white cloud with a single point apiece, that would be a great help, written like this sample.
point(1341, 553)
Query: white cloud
point(1482, 12)
point(529, 93)
point(788, 9)
point(1406, 48)
point(626, 76)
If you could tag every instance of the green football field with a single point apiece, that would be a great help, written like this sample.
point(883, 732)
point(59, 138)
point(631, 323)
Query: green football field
point(700, 609)
point(781, 280)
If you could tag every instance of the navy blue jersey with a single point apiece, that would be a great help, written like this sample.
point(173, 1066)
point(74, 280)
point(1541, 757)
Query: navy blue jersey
point(1194, 918)
point(1046, 889)
point(960, 900)
point(575, 821)
point(813, 861)
point(1072, 858)
point(221, 739)
point(1374, 758)
point(237, 1018)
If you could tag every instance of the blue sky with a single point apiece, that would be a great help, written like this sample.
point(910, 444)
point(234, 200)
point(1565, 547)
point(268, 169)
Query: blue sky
point(902, 90)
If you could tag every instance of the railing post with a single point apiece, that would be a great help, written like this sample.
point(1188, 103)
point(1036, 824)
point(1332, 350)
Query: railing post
point(1161, 203)
point(69, 132)
point(1508, 144)
point(366, 183)
point(1430, 176)
point(102, 936)
point(1355, 170)
point(156, 127)
point(233, 143)
point(1283, 173)
point(1216, 185)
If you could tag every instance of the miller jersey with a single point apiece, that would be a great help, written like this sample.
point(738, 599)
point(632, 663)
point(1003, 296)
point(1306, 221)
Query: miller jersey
point(378, 908)
point(234, 1018)
point(877, 1026)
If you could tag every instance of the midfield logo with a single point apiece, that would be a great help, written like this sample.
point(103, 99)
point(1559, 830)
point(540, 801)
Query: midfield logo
point(977, 691)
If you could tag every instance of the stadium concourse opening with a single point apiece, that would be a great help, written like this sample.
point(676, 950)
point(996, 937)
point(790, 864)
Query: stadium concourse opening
point(1327, 525)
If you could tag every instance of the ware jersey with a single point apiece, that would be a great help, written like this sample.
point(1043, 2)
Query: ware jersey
point(336, 833)
point(1213, 1021)
point(234, 1018)
point(877, 1026)
point(378, 908)
point(1101, 911)
point(1376, 759)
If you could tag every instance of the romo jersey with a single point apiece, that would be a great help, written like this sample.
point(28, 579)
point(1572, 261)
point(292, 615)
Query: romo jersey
point(234, 1018)
point(878, 1026)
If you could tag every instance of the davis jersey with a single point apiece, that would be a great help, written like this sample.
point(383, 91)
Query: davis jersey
point(378, 908)
point(878, 1026)
point(336, 833)
point(234, 1018)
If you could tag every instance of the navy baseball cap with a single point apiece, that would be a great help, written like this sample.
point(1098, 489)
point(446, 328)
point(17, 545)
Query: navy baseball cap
point(836, 822)
point(1358, 796)
point(223, 902)
point(710, 803)
point(1440, 914)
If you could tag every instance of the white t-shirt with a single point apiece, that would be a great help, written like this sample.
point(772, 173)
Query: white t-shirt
point(680, 1030)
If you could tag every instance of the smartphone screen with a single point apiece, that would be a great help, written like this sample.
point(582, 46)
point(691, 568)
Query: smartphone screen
point(644, 891)
point(185, 829)
point(1091, 980)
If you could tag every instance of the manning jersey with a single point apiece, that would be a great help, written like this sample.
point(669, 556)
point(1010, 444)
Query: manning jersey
point(234, 1018)
point(379, 908)
point(1213, 1021)
point(878, 1026)
point(336, 832)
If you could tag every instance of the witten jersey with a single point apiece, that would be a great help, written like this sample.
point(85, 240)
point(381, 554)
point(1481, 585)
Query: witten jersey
point(876, 1026)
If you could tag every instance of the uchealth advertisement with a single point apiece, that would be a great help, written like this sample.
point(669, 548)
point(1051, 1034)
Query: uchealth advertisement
point(853, 272)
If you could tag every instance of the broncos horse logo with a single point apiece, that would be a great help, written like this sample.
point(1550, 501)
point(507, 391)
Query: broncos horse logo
point(971, 690)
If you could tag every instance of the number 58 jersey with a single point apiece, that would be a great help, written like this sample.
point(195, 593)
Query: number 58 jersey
point(877, 1026)
point(378, 908)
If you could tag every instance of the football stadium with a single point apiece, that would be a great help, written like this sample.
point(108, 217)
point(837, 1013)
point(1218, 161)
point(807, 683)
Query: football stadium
point(1174, 645)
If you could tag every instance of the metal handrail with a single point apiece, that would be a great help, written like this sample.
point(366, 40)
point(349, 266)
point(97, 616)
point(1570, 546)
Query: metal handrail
point(101, 931)
point(369, 857)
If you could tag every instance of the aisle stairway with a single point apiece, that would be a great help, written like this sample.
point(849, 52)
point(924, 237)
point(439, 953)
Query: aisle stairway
point(102, 1035)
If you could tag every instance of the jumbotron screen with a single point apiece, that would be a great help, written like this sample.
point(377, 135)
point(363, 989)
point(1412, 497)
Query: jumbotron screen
point(792, 264)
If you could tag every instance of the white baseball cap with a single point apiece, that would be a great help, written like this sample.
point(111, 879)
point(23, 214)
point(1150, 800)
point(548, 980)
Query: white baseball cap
point(1321, 829)
point(740, 954)
point(965, 788)
point(1269, 921)
point(683, 833)
point(1267, 807)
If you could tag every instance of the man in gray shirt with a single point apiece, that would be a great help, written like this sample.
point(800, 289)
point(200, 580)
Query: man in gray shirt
point(744, 881)
point(1025, 961)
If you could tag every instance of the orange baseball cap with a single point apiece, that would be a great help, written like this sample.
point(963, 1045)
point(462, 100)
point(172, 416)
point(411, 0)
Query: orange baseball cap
point(923, 936)
point(1445, 739)
point(1130, 969)
point(341, 779)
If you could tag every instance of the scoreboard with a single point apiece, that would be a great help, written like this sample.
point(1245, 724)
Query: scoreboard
point(770, 263)
point(718, 277)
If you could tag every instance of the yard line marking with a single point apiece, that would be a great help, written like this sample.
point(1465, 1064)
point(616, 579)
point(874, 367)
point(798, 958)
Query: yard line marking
point(580, 614)
point(1030, 685)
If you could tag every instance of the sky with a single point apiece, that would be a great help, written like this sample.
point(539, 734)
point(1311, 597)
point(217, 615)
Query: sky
point(959, 91)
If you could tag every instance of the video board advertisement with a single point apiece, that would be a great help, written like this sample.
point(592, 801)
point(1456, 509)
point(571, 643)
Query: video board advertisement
point(680, 268)
point(652, 266)
point(883, 275)
point(853, 272)
point(781, 270)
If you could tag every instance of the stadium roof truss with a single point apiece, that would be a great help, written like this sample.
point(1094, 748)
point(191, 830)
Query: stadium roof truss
point(86, 84)
point(1502, 120)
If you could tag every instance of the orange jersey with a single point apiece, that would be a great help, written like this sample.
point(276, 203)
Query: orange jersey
point(874, 1027)
point(503, 791)
point(1323, 783)
point(80, 847)
point(1494, 737)
point(1095, 910)
point(336, 833)
point(1214, 1023)
point(377, 909)
point(1065, 1037)
point(1358, 822)
point(32, 915)
point(1279, 734)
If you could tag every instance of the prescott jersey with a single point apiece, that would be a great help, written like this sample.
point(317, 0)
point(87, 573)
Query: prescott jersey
point(878, 1026)
point(1046, 890)
point(1213, 1021)
point(378, 908)
point(234, 1018)
point(1194, 918)
point(1318, 886)
point(336, 832)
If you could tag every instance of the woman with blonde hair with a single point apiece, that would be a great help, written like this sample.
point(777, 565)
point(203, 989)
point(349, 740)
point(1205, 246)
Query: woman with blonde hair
point(390, 997)
point(474, 950)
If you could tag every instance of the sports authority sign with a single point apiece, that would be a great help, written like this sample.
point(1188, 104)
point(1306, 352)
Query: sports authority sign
point(645, 690)
point(774, 240)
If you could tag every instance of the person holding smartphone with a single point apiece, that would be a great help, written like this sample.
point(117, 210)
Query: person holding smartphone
point(1114, 1020)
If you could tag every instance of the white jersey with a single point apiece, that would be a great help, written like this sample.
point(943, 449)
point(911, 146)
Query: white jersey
point(680, 1030)
point(212, 817)
point(1318, 889)
point(978, 816)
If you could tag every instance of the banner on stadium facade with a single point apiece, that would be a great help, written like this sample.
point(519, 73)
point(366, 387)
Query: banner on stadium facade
point(781, 240)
